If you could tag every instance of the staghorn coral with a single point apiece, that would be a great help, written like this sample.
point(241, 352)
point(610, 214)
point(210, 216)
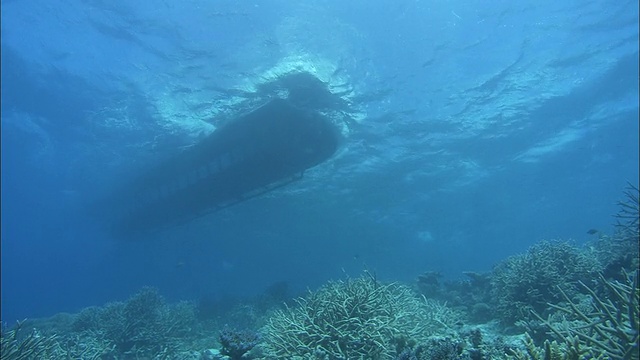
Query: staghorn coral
point(552, 351)
point(86, 345)
point(143, 326)
point(609, 329)
point(353, 319)
point(628, 216)
point(41, 343)
point(15, 346)
point(621, 250)
point(601, 321)
point(529, 281)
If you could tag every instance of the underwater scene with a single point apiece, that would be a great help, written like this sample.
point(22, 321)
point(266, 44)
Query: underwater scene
point(320, 179)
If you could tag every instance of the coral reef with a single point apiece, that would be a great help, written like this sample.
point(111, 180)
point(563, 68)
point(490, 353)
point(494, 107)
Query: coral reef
point(529, 281)
point(44, 343)
point(441, 349)
point(144, 325)
point(609, 328)
point(468, 344)
point(621, 250)
point(577, 303)
point(470, 296)
point(16, 346)
point(628, 216)
point(354, 319)
point(236, 343)
point(552, 351)
point(429, 283)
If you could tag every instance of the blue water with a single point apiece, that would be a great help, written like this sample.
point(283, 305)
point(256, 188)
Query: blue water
point(482, 128)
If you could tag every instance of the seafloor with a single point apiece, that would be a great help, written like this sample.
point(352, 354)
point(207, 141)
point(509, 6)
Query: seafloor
point(558, 300)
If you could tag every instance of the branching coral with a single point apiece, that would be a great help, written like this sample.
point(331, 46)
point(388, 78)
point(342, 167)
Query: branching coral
point(621, 250)
point(353, 319)
point(89, 346)
point(42, 345)
point(627, 218)
point(611, 328)
point(13, 346)
point(552, 351)
point(529, 281)
point(141, 326)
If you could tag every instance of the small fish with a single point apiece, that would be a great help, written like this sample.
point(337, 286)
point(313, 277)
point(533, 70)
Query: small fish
point(593, 231)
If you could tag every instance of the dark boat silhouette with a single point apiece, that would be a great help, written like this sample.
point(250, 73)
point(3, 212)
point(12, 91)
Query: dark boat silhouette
point(253, 154)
